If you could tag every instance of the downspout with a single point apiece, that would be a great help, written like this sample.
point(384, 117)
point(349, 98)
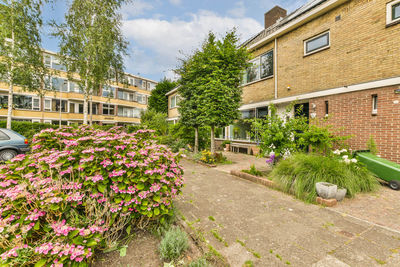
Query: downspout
point(276, 68)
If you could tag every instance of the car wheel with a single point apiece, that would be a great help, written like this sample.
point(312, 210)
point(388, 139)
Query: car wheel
point(395, 185)
point(7, 154)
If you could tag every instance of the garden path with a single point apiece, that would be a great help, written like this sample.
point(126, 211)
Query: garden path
point(247, 221)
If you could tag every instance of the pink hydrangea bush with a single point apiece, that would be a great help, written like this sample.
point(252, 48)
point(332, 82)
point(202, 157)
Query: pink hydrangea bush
point(78, 190)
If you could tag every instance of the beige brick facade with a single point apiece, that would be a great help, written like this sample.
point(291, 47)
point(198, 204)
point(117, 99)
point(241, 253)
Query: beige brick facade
point(172, 112)
point(361, 49)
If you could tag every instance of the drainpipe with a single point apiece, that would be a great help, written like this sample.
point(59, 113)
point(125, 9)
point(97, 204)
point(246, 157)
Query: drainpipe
point(276, 68)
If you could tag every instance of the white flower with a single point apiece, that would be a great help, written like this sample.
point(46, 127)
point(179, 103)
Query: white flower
point(354, 160)
point(347, 161)
point(336, 152)
point(345, 157)
point(271, 153)
point(343, 150)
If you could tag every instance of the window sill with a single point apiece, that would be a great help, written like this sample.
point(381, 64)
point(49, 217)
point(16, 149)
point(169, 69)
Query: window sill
point(260, 80)
point(316, 51)
point(392, 23)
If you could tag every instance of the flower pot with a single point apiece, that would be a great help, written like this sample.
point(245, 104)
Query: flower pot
point(227, 147)
point(326, 190)
point(340, 194)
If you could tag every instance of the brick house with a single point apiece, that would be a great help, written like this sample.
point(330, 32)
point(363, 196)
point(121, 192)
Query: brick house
point(173, 101)
point(335, 57)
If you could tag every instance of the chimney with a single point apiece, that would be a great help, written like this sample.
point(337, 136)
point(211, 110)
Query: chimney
point(273, 15)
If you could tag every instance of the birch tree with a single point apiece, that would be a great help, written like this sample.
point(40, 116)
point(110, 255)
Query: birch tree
point(20, 52)
point(92, 44)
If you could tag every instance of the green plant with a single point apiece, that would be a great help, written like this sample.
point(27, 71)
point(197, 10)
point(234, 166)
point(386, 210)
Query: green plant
point(173, 244)
point(372, 145)
point(201, 262)
point(248, 263)
point(278, 133)
point(226, 142)
point(151, 119)
point(79, 191)
point(253, 171)
point(300, 172)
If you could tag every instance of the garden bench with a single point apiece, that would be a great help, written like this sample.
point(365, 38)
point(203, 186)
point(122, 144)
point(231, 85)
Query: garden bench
point(235, 147)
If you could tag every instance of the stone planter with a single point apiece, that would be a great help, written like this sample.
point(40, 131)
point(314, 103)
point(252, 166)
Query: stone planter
point(227, 147)
point(326, 190)
point(255, 150)
point(340, 194)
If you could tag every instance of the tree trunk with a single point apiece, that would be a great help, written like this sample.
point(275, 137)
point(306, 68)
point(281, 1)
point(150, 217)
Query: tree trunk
point(212, 139)
point(85, 109)
point(196, 139)
point(10, 103)
point(91, 109)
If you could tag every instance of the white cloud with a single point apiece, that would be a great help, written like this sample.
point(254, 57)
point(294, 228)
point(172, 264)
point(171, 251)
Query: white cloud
point(157, 43)
point(135, 8)
point(175, 2)
point(239, 10)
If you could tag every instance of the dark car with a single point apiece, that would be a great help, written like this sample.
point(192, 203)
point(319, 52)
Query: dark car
point(11, 144)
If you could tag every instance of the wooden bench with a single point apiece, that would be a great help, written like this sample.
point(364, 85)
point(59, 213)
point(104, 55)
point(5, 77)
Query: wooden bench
point(235, 147)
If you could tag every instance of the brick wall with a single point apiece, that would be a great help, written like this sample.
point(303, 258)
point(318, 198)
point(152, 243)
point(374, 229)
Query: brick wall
point(351, 114)
point(172, 112)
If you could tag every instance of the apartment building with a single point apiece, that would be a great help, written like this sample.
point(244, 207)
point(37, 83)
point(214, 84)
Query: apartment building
point(338, 59)
point(115, 103)
point(173, 105)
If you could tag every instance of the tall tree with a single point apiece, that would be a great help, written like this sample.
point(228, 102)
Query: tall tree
point(212, 77)
point(158, 101)
point(92, 44)
point(20, 52)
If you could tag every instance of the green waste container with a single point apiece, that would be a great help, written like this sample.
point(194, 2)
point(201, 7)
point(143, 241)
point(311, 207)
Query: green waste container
point(383, 168)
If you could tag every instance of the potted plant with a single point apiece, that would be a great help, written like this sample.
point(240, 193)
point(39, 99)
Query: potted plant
point(226, 145)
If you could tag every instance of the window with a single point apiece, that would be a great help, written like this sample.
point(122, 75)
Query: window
point(108, 109)
point(22, 101)
point(47, 104)
point(74, 87)
point(3, 101)
point(128, 112)
point(56, 105)
point(267, 64)
point(35, 103)
point(174, 101)
point(53, 62)
point(3, 136)
point(374, 104)
point(248, 114)
point(262, 112)
point(108, 91)
point(142, 99)
point(393, 12)
point(59, 84)
point(261, 67)
point(35, 121)
point(316, 43)
point(326, 108)
point(80, 108)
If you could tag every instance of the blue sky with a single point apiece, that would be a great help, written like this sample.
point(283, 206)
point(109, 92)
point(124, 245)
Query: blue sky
point(159, 31)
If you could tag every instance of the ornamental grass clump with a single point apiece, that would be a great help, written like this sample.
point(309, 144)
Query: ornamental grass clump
point(299, 174)
point(80, 190)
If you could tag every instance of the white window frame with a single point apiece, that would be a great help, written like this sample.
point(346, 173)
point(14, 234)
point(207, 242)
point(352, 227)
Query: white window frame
point(35, 121)
point(374, 104)
point(47, 108)
point(47, 121)
point(314, 38)
point(33, 101)
point(389, 13)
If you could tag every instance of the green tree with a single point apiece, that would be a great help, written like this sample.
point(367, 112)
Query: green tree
point(154, 120)
point(20, 52)
point(158, 101)
point(215, 73)
point(92, 44)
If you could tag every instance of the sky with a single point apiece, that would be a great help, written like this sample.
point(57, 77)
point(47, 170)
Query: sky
point(160, 32)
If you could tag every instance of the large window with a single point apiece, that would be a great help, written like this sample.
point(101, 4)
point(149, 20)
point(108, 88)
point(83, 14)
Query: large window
point(128, 112)
point(108, 91)
point(316, 43)
point(108, 109)
point(393, 12)
point(55, 106)
point(59, 84)
point(175, 101)
point(53, 62)
point(261, 67)
point(22, 101)
point(125, 95)
point(142, 99)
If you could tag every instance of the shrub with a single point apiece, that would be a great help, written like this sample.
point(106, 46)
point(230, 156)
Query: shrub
point(154, 120)
point(26, 128)
point(372, 146)
point(80, 190)
point(253, 171)
point(299, 173)
point(225, 142)
point(201, 262)
point(174, 243)
point(210, 158)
